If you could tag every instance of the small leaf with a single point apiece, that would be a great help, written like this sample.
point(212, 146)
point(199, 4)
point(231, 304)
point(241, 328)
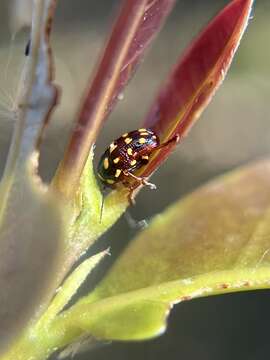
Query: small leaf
point(216, 240)
point(37, 340)
point(71, 285)
point(196, 77)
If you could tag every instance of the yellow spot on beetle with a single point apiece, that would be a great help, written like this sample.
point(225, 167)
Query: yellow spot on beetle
point(106, 163)
point(117, 173)
point(144, 133)
point(128, 140)
point(113, 146)
point(142, 130)
point(133, 162)
point(142, 141)
point(110, 181)
point(125, 135)
point(129, 151)
point(154, 137)
point(116, 160)
point(145, 157)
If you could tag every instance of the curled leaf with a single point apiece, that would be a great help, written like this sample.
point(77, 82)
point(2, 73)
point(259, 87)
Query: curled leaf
point(196, 77)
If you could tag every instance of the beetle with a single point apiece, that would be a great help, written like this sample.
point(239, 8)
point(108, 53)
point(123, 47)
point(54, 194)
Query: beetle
point(126, 155)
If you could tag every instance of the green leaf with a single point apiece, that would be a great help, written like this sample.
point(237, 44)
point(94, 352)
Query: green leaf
point(216, 240)
point(71, 285)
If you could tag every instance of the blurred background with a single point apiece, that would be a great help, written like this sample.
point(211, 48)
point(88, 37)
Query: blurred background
point(234, 130)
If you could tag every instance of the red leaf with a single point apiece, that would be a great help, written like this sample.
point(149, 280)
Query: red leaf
point(138, 22)
point(196, 77)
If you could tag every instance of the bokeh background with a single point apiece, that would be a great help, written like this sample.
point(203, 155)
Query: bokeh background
point(234, 130)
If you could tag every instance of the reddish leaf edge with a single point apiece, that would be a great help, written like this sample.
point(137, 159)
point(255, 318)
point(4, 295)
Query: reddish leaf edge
point(188, 116)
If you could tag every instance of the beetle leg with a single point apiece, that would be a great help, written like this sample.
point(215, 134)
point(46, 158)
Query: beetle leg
point(147, 183)
point(131, 199)
point(141, 180)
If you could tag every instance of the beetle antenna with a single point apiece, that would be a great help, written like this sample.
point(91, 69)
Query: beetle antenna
point(102, 203)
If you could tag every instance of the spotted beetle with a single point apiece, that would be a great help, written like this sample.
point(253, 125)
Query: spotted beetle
point(127, 154)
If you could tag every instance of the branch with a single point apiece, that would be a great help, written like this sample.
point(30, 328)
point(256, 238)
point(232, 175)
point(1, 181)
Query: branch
point(30, 227)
